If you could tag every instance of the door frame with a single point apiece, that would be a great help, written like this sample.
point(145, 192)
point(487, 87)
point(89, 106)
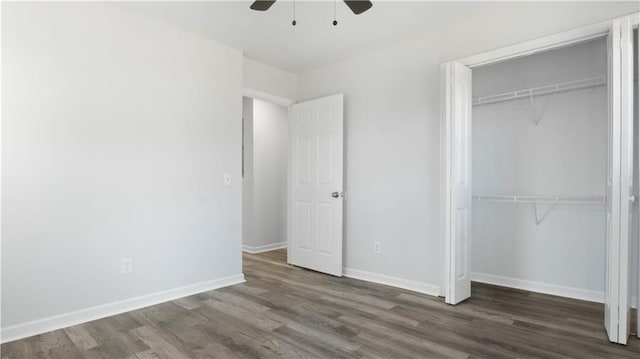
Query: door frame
point(265, 96)
point(526, 48)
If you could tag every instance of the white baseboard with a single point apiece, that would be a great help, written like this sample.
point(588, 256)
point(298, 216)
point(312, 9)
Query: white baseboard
point(265, 248)
point(419, 287)
point(44, 325)
point(538, 287)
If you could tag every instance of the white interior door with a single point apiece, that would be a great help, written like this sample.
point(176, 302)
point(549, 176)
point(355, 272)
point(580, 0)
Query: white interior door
point(457, 187)
point(619, 182)
point(315, 185)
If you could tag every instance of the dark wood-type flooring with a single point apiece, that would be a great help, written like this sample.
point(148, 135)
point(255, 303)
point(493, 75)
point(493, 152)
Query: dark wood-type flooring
point(284, 311)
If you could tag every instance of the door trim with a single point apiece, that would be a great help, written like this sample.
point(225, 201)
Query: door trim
point(265, 96)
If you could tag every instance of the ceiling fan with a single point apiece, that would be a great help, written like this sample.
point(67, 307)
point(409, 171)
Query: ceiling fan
point(357, 6)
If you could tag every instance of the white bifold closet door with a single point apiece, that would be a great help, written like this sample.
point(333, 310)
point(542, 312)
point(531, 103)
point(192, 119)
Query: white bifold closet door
point(456, 106)
point(619, 182)
point(315, 184)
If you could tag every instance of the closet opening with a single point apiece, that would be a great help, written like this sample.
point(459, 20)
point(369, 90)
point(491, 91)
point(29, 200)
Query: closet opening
point(540, 174)
point(539, 164)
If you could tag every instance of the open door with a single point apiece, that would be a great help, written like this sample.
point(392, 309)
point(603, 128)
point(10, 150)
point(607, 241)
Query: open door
point(456, 107)
point(315, 185)
point(619, 182)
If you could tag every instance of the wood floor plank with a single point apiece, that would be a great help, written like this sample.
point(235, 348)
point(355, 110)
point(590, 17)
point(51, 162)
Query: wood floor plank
point(284, 311)
point(239, 336)
point(261, 322)
point(216, 350)
point(423, 345)
point(311, 343)
point(188, 303)
point(112, 342)
point(81, 337)
point(286, 349)
point(159, 344)
point(238, 301)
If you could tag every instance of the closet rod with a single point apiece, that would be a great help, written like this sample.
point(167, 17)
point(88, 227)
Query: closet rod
point(541, 199)
point(541, 91)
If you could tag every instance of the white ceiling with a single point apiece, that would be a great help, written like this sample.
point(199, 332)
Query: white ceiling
point(270, 38)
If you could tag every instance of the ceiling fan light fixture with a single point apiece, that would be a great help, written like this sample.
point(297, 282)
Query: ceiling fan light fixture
point(262, 5)
point(356, 6)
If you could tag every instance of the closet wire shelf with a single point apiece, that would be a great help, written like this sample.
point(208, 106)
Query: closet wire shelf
point(550, 201)
point(566, 199)
point(541, 91)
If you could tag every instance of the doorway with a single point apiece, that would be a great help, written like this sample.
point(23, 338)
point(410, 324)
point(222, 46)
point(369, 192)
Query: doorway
point(264, 175)
point(293, 180)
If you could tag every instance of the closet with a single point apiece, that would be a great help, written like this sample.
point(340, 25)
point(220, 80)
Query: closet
point(540, 169)
point(539, 164)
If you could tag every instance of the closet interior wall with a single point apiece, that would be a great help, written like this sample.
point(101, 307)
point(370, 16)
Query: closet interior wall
point(551, 145)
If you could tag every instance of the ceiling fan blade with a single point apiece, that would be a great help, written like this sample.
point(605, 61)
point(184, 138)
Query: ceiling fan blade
point(358, 6)
point(262, 5)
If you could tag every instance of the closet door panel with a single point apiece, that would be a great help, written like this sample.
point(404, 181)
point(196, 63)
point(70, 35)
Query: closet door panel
point(626, 177)
point(457, 107)
point(613, 187)
point(619, 182)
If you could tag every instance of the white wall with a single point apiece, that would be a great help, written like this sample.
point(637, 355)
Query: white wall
point(247, 179)
point(392, 131)
point(565, 154)
point(268, 79)
point(266, 182)
point(116, 133)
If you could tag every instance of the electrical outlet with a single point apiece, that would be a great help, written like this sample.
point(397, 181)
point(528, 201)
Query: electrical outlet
point(377, 247)
point(227, 179)
point(126, 266)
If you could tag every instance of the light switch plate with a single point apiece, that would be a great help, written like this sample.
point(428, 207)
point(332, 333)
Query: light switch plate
point(227, 179)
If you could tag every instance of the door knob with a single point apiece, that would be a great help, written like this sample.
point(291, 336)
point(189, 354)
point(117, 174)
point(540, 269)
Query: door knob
point(336, 194)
